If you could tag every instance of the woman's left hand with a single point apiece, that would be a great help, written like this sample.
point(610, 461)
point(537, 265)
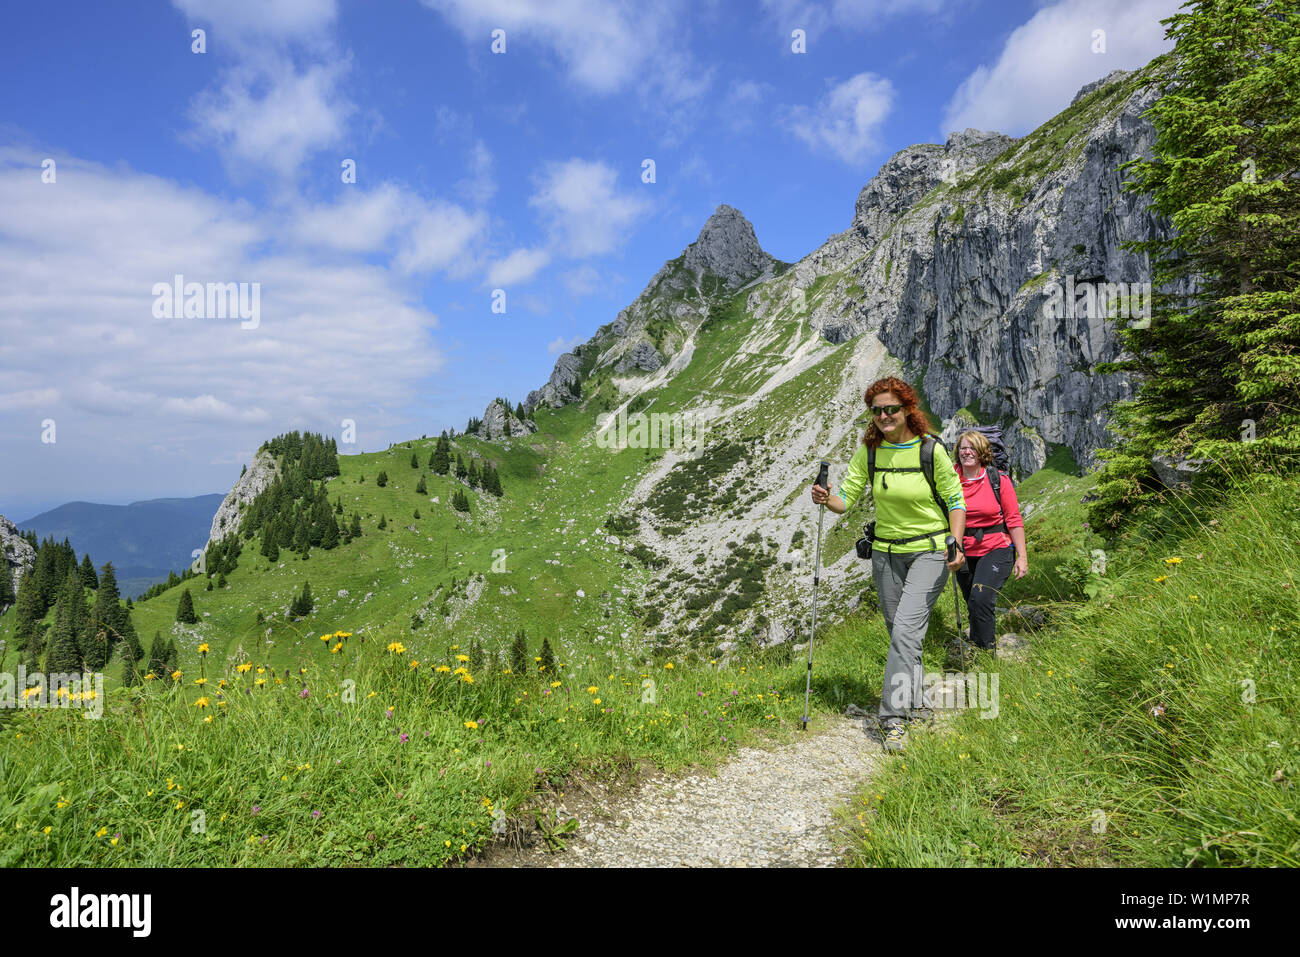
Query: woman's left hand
point(958, 560)
point(1021, 567)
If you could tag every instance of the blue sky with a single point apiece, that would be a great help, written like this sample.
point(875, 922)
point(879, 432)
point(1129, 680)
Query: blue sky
point(519, 170)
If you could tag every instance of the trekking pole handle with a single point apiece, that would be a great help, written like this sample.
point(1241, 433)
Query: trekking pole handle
point(823, 476)
point(952, 547)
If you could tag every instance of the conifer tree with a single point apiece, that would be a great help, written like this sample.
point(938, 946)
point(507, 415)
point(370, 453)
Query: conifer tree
point(1218, 358)
point(440, 460)
point(28, 613)
point(130, 672)
point(355, 531)
point(87, 573)
point(415, 462)
point(331, 537)
point(269, 548)
point(302, 605)
point(382, 480)
point(185, 609)
point(548, 657)
point(461, 471)
point(301, 542)
point(383, 522)
point(63, 656)
point(7, 596)
point(420, 487)
point(519, 654)
point(474, 479)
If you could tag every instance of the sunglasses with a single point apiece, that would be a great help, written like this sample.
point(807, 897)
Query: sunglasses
point(879, 410)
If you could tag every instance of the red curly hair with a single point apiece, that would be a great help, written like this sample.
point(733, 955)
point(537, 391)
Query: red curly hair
point(917, 421)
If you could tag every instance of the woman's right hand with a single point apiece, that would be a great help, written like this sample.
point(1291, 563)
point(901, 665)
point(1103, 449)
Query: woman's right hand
point(820, 496)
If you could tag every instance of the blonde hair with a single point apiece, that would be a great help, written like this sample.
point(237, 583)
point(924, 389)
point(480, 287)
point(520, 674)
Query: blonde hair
point(983, 451)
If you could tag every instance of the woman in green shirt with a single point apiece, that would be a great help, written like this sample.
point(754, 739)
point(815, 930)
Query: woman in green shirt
point(907, 559)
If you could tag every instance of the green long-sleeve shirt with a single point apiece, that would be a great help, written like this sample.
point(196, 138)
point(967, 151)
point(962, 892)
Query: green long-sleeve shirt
point(904, 505)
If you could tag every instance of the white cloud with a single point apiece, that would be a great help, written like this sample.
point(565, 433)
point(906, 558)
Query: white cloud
point(297, 114)
point(604, 44)
point(518, 267)
point(847, 119)
point(1047, 59)
point(439, 238)
point(251, 21)
point(79, 342)
point(585, 213)
point(279, 97)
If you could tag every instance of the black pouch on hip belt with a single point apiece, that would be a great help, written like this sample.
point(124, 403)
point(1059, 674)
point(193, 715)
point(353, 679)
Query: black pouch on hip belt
point(863, 544)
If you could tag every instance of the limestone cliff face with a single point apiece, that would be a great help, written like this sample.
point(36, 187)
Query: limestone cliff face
point(17, 553)
point(962, 245)
point(261, 472)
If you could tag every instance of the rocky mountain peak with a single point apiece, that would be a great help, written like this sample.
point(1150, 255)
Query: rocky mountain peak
point(727, 247)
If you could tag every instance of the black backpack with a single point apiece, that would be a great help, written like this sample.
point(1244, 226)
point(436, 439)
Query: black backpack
point(1001, 466)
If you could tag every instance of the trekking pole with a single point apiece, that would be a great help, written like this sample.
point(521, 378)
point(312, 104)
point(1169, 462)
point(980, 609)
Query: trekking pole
point(823, 480)
point(956, 607)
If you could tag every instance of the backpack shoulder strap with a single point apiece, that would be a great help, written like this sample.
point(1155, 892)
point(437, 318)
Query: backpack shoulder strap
point(995, 483)
point(927, 469)
point(871, 468)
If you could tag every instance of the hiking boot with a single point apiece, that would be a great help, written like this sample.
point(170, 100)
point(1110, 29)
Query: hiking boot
point(895, 737)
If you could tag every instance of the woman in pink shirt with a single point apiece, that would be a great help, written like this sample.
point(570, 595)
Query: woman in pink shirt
point(995, 535)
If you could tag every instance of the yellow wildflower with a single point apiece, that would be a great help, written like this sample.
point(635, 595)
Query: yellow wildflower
point(462, 657)
point(201, 703)
point(471, 724)
point(442, 668)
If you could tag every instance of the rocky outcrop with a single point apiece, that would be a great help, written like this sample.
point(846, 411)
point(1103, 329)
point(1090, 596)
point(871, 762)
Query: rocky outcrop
point(259, 474)
point(501, 423)
point(642, 355)
point(17, 552)
point(563, 386)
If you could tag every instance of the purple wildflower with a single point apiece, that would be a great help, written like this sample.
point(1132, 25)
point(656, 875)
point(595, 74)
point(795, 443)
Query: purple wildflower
point(404, 737)
point(315, 813)
point(305, 693)
point(257, 809)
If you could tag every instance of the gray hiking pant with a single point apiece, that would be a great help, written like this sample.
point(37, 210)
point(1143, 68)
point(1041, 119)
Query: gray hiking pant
point(907, 585)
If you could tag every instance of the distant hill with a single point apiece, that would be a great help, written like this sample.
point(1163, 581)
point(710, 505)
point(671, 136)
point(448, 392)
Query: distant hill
point(143, 540)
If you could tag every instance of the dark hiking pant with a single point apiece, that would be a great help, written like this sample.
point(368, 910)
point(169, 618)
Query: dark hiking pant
point(980, 580)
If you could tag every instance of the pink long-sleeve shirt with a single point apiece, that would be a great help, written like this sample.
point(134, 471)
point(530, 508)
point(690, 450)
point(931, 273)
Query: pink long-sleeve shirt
point(982, 509)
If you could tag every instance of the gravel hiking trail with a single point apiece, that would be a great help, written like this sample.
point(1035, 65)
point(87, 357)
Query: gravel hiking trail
point(764, 807)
